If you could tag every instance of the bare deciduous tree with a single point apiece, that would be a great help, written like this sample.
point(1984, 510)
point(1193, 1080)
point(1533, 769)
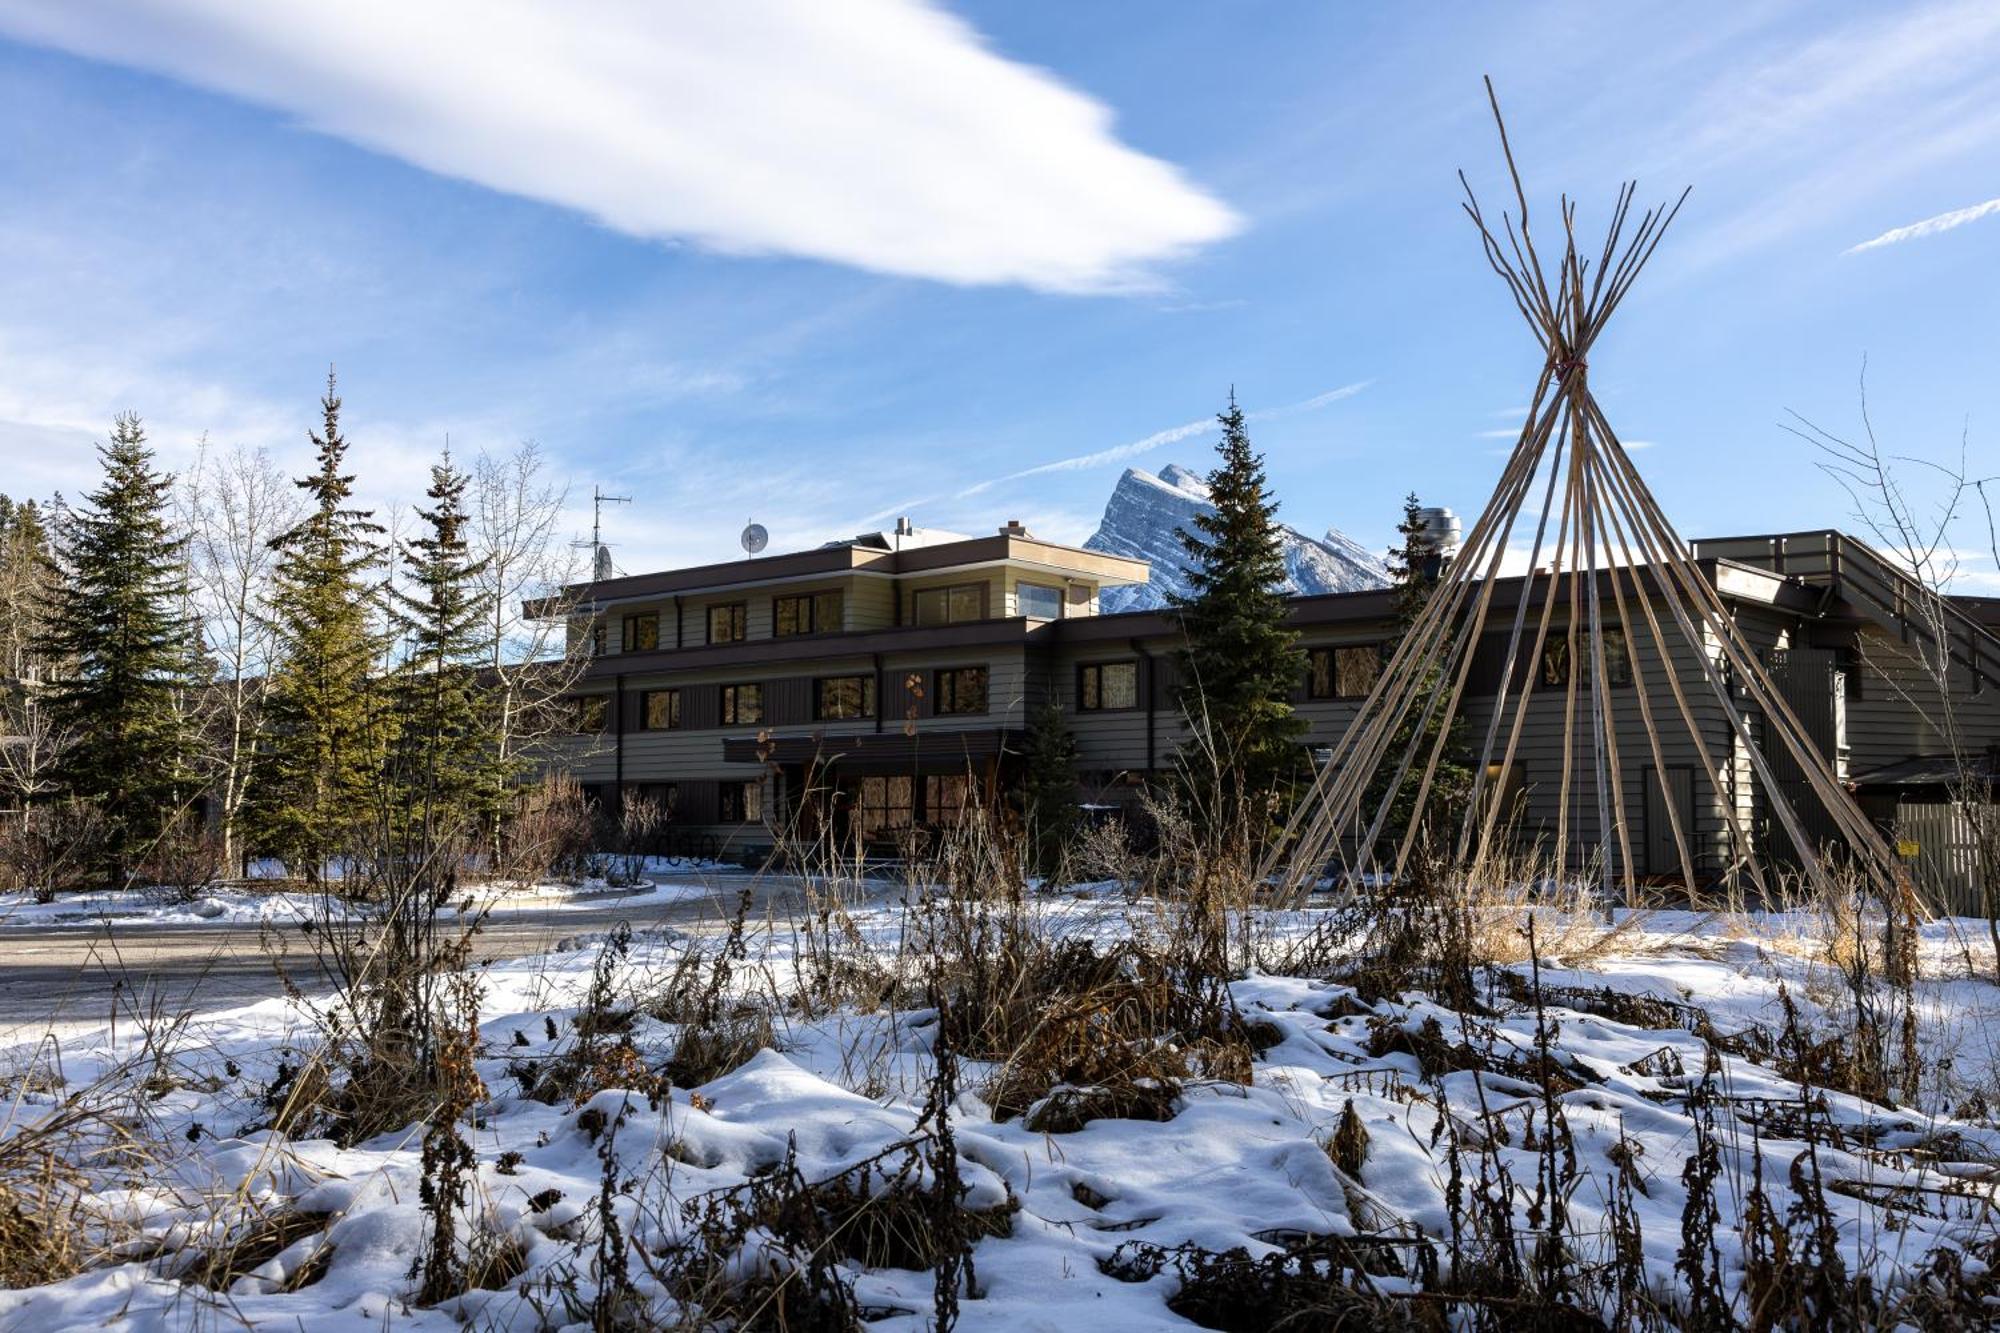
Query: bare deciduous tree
point(515, 535)
point(1916, 525)
point(235, 502)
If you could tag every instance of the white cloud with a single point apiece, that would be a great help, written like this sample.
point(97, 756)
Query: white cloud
point(1312, 404)
point(1943, 222)
point(883, 134)
point(1118, 453)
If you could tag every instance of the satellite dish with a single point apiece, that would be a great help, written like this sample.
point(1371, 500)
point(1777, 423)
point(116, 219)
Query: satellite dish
point(755, 538)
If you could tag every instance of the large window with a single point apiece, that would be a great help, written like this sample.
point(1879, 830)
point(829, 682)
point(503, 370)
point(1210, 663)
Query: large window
point(1617, 659)
point(1101, 685)
point(883, 805)
point(960, 690)
point(808, 613)
point(640, 633)
point(946, 796)
point(841, 697)
point(1038, 601)
point(726, 623)
point(742, 705)
point(660, 710)
point(589, 713)
point(742, 802)
point(951, 606)
point(1344, 673)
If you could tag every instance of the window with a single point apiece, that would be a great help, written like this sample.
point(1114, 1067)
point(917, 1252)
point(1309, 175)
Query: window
point(1038, 601)
point(742, 705)
point(725, 623)
point(951, 606)
point(1107, 685)
point(946, 797)
point(845, 697)
point(589, 713)
point(640, 633)
point(1617, 659)
point(884, 805)
point(1345, 672)
point(808, 613)
point(742, 802)
point(660, 710)
point(654, 803)
point(961, 690)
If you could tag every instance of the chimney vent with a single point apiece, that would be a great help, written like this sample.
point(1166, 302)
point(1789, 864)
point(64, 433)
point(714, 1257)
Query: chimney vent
point(904, 528)
point(1014, 528)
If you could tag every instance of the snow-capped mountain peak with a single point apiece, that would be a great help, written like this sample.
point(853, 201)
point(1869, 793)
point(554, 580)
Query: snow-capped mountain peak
point(1145, 511)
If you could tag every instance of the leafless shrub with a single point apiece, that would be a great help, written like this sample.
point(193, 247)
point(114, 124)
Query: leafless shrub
point(187, 861)
point(547, 834)
point(52, 848)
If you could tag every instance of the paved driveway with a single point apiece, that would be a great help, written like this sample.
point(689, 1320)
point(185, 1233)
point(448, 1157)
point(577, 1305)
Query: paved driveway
point(73, 977)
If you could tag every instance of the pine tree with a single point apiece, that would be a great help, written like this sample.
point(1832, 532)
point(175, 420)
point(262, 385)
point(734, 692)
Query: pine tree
point(1242, 662)
point(444, 766)
point(1049, 787)
point(321, 743)
point(120, 651)
point(1414, 570)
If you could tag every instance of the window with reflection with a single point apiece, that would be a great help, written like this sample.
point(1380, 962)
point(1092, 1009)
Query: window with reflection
point(742, 705)
point(960, 690)
point(1105, 685)
point(842, 697)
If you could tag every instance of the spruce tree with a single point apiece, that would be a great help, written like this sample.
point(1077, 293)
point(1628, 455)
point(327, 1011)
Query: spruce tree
point(444, 767)
point(1049, 787)
point(1242, 662)
point(1414, 570)
point(119, 649)
point(321, 745)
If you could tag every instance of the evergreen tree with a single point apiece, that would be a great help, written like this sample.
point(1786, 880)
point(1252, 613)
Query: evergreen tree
point(1242, 662)
point(321, 747)
point(119, 649)
point(1414, 568)
point(444, 767)
point(1049, 787)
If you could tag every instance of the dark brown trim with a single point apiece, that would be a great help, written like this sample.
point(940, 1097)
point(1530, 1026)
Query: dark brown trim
point(948, 749)
point(796, 648)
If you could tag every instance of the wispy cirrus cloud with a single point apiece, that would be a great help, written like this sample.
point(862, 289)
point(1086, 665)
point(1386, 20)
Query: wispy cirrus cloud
point(1159, 439)
point(1932, 226)
point(883, 134)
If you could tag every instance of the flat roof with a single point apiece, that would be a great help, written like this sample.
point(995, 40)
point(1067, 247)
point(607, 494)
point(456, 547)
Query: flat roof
point(843, 558)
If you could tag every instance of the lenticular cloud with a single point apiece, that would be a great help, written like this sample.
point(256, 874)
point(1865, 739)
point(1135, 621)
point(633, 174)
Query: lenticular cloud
point(883, 134)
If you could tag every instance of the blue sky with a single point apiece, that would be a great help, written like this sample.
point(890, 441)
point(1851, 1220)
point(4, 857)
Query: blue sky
point(821, 265)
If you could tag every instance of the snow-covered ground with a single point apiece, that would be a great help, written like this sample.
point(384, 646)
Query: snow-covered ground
point(664, 879)
point(1234, 1166)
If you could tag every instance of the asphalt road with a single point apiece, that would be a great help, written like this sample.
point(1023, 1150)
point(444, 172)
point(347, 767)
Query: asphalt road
point(76, 977)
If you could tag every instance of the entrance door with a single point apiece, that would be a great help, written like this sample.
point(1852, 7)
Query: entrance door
point(1662, 856)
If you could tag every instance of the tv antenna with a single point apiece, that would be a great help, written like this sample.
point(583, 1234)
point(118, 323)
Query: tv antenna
point(600, 554)
point(754, 538)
